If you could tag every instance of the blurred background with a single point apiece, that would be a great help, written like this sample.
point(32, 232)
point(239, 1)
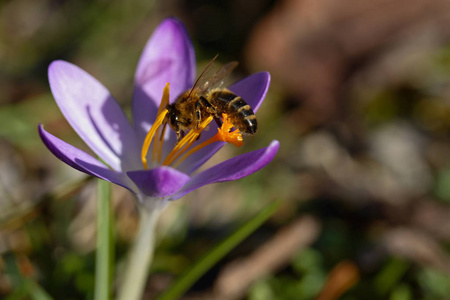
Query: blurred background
point(359, 100)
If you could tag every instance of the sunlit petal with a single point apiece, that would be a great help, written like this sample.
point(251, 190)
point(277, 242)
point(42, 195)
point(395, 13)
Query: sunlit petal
point(94, 114)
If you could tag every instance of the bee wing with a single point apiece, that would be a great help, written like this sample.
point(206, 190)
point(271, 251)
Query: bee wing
point(217, 78)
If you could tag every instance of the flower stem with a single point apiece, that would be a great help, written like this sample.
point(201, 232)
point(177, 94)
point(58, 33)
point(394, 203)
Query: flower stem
point(140, 257)
point(103, 259)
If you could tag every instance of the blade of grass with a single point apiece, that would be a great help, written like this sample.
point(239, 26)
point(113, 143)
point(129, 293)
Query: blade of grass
point(185, 281)
point(103, 259)
point(390, 275)
point(28, 289)
point(36, 292)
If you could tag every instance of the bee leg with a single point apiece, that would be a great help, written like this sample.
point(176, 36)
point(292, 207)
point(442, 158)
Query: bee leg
point(209, 108)
point(198, 114)
point(179, 131)
point(218, 121)
point(180, 135)
point(207, 105)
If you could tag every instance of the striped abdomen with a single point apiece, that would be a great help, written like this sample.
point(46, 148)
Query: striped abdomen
point(239, 112)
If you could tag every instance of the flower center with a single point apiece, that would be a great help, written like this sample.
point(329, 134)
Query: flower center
point(180, 152)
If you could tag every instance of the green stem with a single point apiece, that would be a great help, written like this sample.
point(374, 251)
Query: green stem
point(140, 257)
point(103, 259)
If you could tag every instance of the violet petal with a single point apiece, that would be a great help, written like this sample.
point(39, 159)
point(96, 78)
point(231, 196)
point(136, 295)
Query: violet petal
point(94, 114)
point(232, 169)
point(253, 90)
point(168, 57)
point(80, 160)
point(159, 182)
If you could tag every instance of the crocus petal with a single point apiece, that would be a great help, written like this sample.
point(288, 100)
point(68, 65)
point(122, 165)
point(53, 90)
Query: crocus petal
point(159, 182)
point(232, 169)
point(80, 160)
point(94, 114)
point(253, 90)
point(168, 57)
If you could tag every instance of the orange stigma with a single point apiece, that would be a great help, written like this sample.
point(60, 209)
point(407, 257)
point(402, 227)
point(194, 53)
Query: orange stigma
point(226, 135)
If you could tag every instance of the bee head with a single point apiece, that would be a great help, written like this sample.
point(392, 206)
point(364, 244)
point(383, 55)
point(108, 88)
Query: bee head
point(177, 121)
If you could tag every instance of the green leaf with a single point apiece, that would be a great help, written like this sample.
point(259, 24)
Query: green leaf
point(435, 283)
point(391, 275)
point(401, 292)
point(185, 281)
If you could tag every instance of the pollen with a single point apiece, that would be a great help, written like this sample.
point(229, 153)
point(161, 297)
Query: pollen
point(182, 149)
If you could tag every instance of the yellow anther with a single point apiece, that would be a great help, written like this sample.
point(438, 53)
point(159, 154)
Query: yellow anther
point(162, 112)
point(160, 146)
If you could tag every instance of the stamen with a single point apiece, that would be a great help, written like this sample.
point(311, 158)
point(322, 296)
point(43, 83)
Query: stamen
point(186, 142)
point(162, 112)
point(213, 139)
point(165, 99)
point(156, 143)
point(159, 150)
point(223, 135)
point(149, 137)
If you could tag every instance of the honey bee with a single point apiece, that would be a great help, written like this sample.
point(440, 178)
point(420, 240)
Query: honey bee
point(204, 100)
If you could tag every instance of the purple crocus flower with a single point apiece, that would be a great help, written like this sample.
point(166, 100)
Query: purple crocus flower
point(98, 119)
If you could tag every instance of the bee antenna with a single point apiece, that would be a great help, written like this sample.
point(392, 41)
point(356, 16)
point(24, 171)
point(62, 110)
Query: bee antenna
point(203, 73)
